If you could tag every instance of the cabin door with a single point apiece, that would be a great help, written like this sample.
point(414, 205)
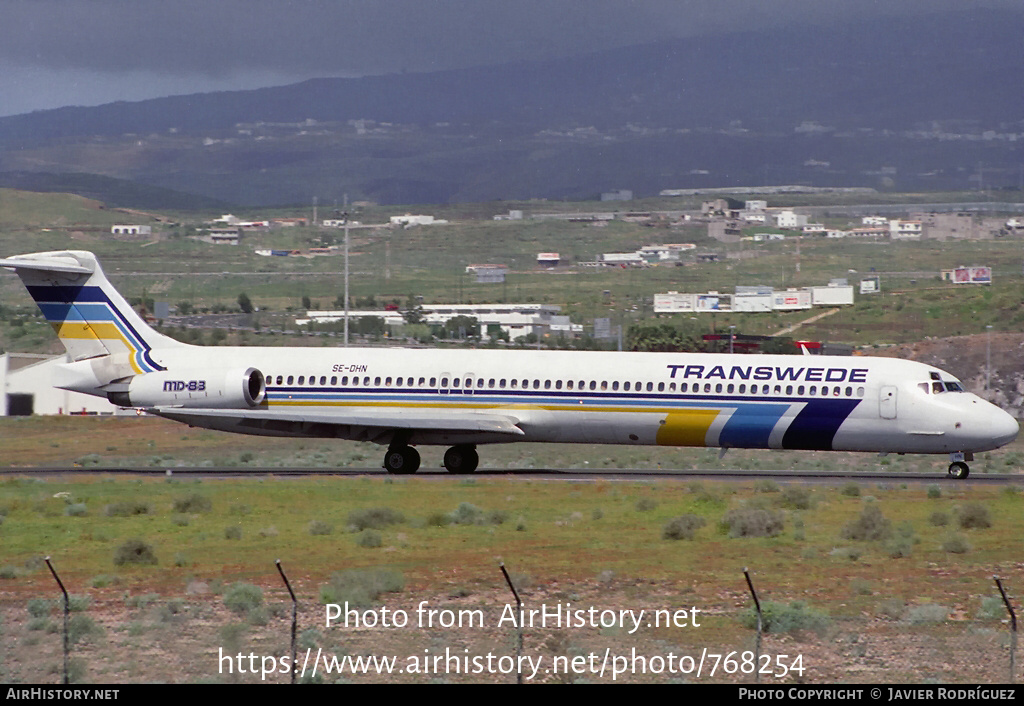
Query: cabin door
point(887, 402)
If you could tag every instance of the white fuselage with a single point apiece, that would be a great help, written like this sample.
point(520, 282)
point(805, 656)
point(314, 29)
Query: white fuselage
point(676, 399)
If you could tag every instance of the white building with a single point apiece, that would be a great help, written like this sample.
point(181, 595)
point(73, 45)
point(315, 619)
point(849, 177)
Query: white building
point(27, 384)
point(904, 230)
point(131, 230)
point(410, 220)
point(790, 219)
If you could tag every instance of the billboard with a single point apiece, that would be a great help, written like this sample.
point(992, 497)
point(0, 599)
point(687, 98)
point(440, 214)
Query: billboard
point(972, 275)
point(673, 302)
point(870, 286)
point(792, 300)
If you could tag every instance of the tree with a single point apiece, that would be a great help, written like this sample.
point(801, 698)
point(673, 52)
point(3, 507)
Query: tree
point(244, 303)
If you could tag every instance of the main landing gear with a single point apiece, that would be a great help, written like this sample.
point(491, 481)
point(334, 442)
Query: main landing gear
point(402, 459)
point(461, 459)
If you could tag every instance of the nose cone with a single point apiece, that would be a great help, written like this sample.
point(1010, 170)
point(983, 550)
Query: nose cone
point(1003, 427)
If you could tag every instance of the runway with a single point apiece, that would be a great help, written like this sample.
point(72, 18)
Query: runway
point(572, 475)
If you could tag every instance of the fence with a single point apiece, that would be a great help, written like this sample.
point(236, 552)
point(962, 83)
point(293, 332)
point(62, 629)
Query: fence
point(240, 633)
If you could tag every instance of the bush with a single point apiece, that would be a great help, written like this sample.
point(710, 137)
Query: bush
point(646, 504)
point(753, 522)
point(683, 527)
point(233, 532)
point(869, 526)
point(361, 587)
point(766, 486)
point(134, 551)
point(316, 527)
point(193, 502)
point(127, 509)
point(39, 607)
point(851, 489)
point(927, 613)
point(81, 627)
point(956, 544)
point(797, 498)
point(934, 491)
point(973, 516)
point(370, 539)
point(467, 514)
point(939, 519)
point(76, 510)
point(243, 597)
point(374, 518)
point(779, 618)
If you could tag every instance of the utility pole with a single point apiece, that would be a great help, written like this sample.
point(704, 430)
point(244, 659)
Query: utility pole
point(345, 215)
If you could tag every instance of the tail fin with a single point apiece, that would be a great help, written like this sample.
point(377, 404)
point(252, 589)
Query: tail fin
point(90, 317)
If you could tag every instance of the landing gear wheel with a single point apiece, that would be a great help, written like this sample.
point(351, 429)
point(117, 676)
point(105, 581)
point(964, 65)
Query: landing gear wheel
point(959, 469)
point(402, 460)
point(461, 459)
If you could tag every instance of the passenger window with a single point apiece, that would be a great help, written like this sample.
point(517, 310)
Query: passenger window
point(778, 389)
point(730, 388)
point(661, 387)
point(604, 384)
point(515, 383)
point(536, 384)
point(650, 386)
point(490, 383)
point(455, 382)
point(376, 381)
point(502, 384)
point(366, 381)
point(433, 382)
point(860, 392)
point(334, 379)
point(323, 379)
point(800, 390)
point(683, 386)
point(625, 386)
point(387, 382)
point(444, 382)
point(568, 385)
point(743, 389)
point(280, 379)
point(547, 384)
point(707, 387)
point(789, 389)
point(615, 384)
point(671, 387)
point(718, 387)
point(813, 390)
point(302, 379)
point(558, 384)
point(398, 382)
point(849, 392)
point(344, 380)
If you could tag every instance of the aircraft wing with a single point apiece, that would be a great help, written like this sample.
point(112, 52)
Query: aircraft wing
point(367, 424)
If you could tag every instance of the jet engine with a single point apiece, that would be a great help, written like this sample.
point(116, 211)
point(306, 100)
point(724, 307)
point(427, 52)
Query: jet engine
point(210, 388)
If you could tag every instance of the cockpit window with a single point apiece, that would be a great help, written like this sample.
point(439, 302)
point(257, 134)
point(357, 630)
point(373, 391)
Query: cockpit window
point(923, 386)
point(954, 387)
point(937, 387)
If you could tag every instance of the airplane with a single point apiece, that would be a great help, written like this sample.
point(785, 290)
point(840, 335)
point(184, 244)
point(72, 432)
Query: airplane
point(401, 398)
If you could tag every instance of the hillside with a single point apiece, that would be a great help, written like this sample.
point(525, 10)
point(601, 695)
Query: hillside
point(908, 105)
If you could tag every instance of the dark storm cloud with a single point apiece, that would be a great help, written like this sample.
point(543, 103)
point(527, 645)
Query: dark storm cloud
point(324, 37)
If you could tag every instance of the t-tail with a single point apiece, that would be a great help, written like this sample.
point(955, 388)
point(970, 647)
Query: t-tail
point(104, 337)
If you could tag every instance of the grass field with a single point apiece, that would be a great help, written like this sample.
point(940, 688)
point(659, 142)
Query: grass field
point(862, 560)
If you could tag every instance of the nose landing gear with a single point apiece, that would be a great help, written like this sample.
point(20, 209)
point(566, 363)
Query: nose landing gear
point(959, 469)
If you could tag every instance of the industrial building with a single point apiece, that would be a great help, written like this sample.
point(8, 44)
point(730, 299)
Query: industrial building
point(27, 381)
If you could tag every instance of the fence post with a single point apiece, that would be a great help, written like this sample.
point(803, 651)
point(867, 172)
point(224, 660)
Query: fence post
point(295, 611)
point(66, 610)
point(1013, 629)
point(519, 624)
point(757, 644)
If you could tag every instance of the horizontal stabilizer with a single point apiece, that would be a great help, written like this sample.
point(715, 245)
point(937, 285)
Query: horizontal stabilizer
point(45, 264)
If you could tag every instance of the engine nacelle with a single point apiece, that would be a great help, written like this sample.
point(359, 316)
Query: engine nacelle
point(210, 388)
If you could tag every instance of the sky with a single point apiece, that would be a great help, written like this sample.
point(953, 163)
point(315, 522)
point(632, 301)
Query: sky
point(56, 53)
